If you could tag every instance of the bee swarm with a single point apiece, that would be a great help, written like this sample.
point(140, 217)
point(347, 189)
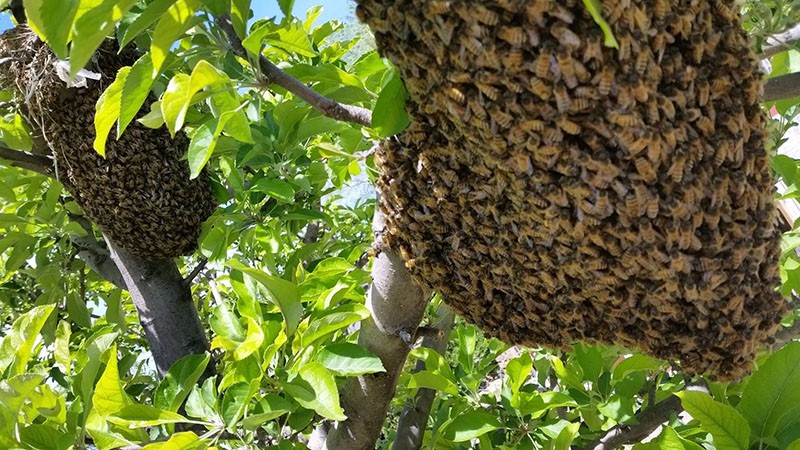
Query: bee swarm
point(553, 189)
point(140, 194)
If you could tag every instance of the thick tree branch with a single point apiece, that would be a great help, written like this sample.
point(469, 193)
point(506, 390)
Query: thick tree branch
point(647, 421)
point(782, 87)
point(780, 42)
point(166, 310)
point(414, 418)
point(98, 258)
point(397, 305)
point(26, 160)
point(328, 107)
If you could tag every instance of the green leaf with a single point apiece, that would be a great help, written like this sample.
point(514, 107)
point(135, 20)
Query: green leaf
point(14, 133)
point(61, 347)
point(315, 388)
point(283, 293)
point(179, 381)
point(567, 436)
point(286, 7)
point(518, 371)
point(595, 9)
point(42, 437)
point(240, 14)
point(770, 397)
point(389, 116)
point(173, 100)
point(202, 402)
point(17, 347)
point(272, 407)
point(537, 404)
point(201, 147)
point(96, 20)
point(136, 87)
point(153, 12)
point(331, 321)
point(429, 379)
point(634, 363)
point(234, 401)
point(169, 28)
point(726, 425)
point(139, 416)
point(349, 360)
point(277, 189)
point(226, 325)
point(52, 21)
point(109, 396)
point(252, 341)
point(179, 441)
point(107, 110)
point(471, 425)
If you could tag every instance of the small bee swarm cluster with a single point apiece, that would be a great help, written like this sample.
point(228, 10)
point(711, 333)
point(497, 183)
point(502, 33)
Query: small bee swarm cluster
point(553, 189)
point(140, 194)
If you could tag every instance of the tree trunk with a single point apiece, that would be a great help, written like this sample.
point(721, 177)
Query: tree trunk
point(166, 310)
point(397, 304)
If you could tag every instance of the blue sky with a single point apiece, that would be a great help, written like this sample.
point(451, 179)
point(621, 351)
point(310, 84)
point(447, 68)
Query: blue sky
point(333, 9)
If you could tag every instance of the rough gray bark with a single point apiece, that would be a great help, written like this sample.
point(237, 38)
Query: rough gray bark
point(166, 310)
point(397, 304)
point(414, 418)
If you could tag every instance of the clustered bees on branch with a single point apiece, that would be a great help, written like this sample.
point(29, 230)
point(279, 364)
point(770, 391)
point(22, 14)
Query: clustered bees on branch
point(140, 194)
point(553, 189)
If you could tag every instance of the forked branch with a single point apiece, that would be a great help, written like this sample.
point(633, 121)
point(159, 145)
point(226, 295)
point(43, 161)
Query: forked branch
point(328, 107)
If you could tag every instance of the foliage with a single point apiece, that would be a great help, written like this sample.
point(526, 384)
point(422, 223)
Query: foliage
point(282, 306)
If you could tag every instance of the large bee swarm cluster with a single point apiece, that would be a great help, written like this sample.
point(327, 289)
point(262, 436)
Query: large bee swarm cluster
point(140, 194)
point(553, 189)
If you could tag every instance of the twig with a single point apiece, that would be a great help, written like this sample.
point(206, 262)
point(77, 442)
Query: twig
point(647, 421)
point(780, 42)
point(414, 418)
point(196, 271)
point(786, 335)
point(328, 107)
point(782, 87)
point(26, 160)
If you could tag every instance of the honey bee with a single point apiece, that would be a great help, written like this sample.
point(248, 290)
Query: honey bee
point(541, 67)
point(515, 36)
point(540, 88)
point(488, 90)
point(580, 104)
point(513, 61)
point(567, 69)
point(660, 9)
point(436, 8)
point(568, 126)
point(705, 125)
point(471, 44)
point(624, 119)
point(536, 9)
point(633, 144)
point(563, 101)
point(676, 170)
point(485, 15)
point(605, 81)
point(501, 118)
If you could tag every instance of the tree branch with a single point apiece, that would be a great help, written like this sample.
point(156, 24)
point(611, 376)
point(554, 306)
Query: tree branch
point(414, 418)
point(26, 160)
point(328, 107)
point(196, 271)
point(98, 258)
point(782, 87)
point(780, 42)
point(647, 421)
point(397, 305)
